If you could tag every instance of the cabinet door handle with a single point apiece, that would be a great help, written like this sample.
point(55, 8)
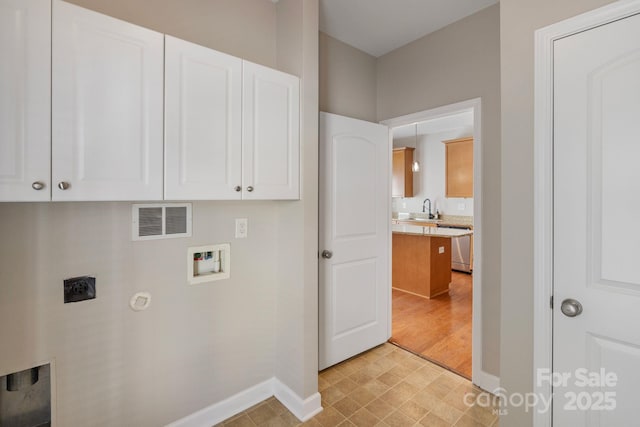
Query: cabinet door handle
point(249, 189)
point(237, 188)
point(37, 185)
point(63, 185)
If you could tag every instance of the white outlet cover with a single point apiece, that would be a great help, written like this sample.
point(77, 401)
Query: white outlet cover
point(441, 249)
point(241, 228)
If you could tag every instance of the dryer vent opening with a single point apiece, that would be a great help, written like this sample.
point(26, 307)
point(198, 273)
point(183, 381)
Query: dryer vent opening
point(25, 398)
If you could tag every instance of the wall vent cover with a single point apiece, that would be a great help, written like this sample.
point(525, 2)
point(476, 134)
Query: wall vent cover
point(160, 221)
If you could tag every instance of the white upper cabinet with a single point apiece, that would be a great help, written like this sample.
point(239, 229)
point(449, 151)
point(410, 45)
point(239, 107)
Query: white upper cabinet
point(25, 101)
point(107, 116)
point(203, 123)
point(270, 134)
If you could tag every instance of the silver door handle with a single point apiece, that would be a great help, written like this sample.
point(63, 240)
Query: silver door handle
point(37, 185)
point(63, 185)
point(237, 188)
point(249, 189)
point(571, 307)
point(327, 254)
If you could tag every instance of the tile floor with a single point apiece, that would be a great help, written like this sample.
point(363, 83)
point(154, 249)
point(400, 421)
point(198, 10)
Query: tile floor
point(386, 386)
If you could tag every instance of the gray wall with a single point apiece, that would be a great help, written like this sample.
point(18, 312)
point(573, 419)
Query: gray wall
point(347, 80)
point(244, 28)
point(195, 345)
point(518, 21)
point(459, 62)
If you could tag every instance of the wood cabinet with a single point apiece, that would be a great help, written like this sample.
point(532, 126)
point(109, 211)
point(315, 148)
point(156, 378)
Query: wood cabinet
point(107, 107)
point(203, 123)
point(402, 179)
point(270, 134)
point(25, 91)
point(459, 167)
point(421, 265)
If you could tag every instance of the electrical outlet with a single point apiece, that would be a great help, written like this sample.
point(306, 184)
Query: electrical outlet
point(441, 249)
point(79, 289)
point(241, 228)
point(460, 206)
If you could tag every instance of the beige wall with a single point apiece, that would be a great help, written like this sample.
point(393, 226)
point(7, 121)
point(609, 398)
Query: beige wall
point(457, 63)
point(297, 247)
point(243, 28)
point(347, 80)
point(195, 345)
point(518, 21)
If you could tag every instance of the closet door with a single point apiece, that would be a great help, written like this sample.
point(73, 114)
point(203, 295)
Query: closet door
point(25, 100)
point(107, 107)
point(203, 123)
point(271, 134)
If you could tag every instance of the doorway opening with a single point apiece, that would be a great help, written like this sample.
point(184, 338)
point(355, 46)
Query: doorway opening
point(442, 324)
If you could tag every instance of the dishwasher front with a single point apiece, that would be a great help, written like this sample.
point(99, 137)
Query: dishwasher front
point(460, 250)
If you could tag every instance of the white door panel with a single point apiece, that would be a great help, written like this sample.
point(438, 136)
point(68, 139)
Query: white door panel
point(354, 225)
point(25, 100)
point(107, 107)
point(596, 205)
point(203, 122)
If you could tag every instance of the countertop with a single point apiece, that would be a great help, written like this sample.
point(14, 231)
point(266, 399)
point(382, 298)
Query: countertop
point(429, 231)
point(443, 221)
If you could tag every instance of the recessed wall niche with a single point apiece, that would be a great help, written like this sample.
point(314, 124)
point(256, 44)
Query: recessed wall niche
point(25, 398)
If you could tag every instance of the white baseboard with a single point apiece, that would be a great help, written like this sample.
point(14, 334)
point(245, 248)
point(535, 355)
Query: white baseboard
point(303, 409)
point(486, 381)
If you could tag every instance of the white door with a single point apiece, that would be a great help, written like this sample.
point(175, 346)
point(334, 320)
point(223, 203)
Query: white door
point(107, 100)
point(355, 231)
point(596, 234)
point(270, 134)
point(203, 126)
point(25, 100)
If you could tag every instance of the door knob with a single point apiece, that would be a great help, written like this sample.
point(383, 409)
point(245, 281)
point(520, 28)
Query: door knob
point(571, 307)
point(327, 254)
point(249, 189)
point(37, 185)
point(237, 188)
point(63, 185)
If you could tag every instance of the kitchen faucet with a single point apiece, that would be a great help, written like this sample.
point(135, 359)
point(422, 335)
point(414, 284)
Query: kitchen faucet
point(423, 208)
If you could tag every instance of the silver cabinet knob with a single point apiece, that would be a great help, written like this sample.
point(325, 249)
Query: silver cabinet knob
point(37, 185)
point(63, 185)
point(571, 307)
point(327, 254)
point(249, 189)
point(237, 188)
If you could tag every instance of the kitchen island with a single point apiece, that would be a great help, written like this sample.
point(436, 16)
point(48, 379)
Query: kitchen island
point(422, 259)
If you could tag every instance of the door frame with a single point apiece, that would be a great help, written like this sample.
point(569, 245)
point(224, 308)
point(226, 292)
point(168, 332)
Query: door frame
point(543, 182)
point(479, 377)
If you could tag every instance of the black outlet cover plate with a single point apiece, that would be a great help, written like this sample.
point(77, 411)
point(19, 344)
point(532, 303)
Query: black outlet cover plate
point(79, 289)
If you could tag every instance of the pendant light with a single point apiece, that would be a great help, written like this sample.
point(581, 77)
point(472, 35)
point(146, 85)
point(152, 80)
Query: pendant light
point(415, 166)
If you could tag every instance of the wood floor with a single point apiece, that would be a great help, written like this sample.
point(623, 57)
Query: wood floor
point(440, 328)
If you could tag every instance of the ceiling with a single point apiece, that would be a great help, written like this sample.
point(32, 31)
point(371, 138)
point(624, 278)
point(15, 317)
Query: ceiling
point(380, 26)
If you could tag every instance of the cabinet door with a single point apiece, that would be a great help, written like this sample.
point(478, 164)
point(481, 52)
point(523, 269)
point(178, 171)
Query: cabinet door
point(459, 167)
point(25, 75)
point(107, 107)
point(271, 134)
point(203, 122)
point(402, 177)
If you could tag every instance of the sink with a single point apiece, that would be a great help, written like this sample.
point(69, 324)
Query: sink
point(419, 219)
